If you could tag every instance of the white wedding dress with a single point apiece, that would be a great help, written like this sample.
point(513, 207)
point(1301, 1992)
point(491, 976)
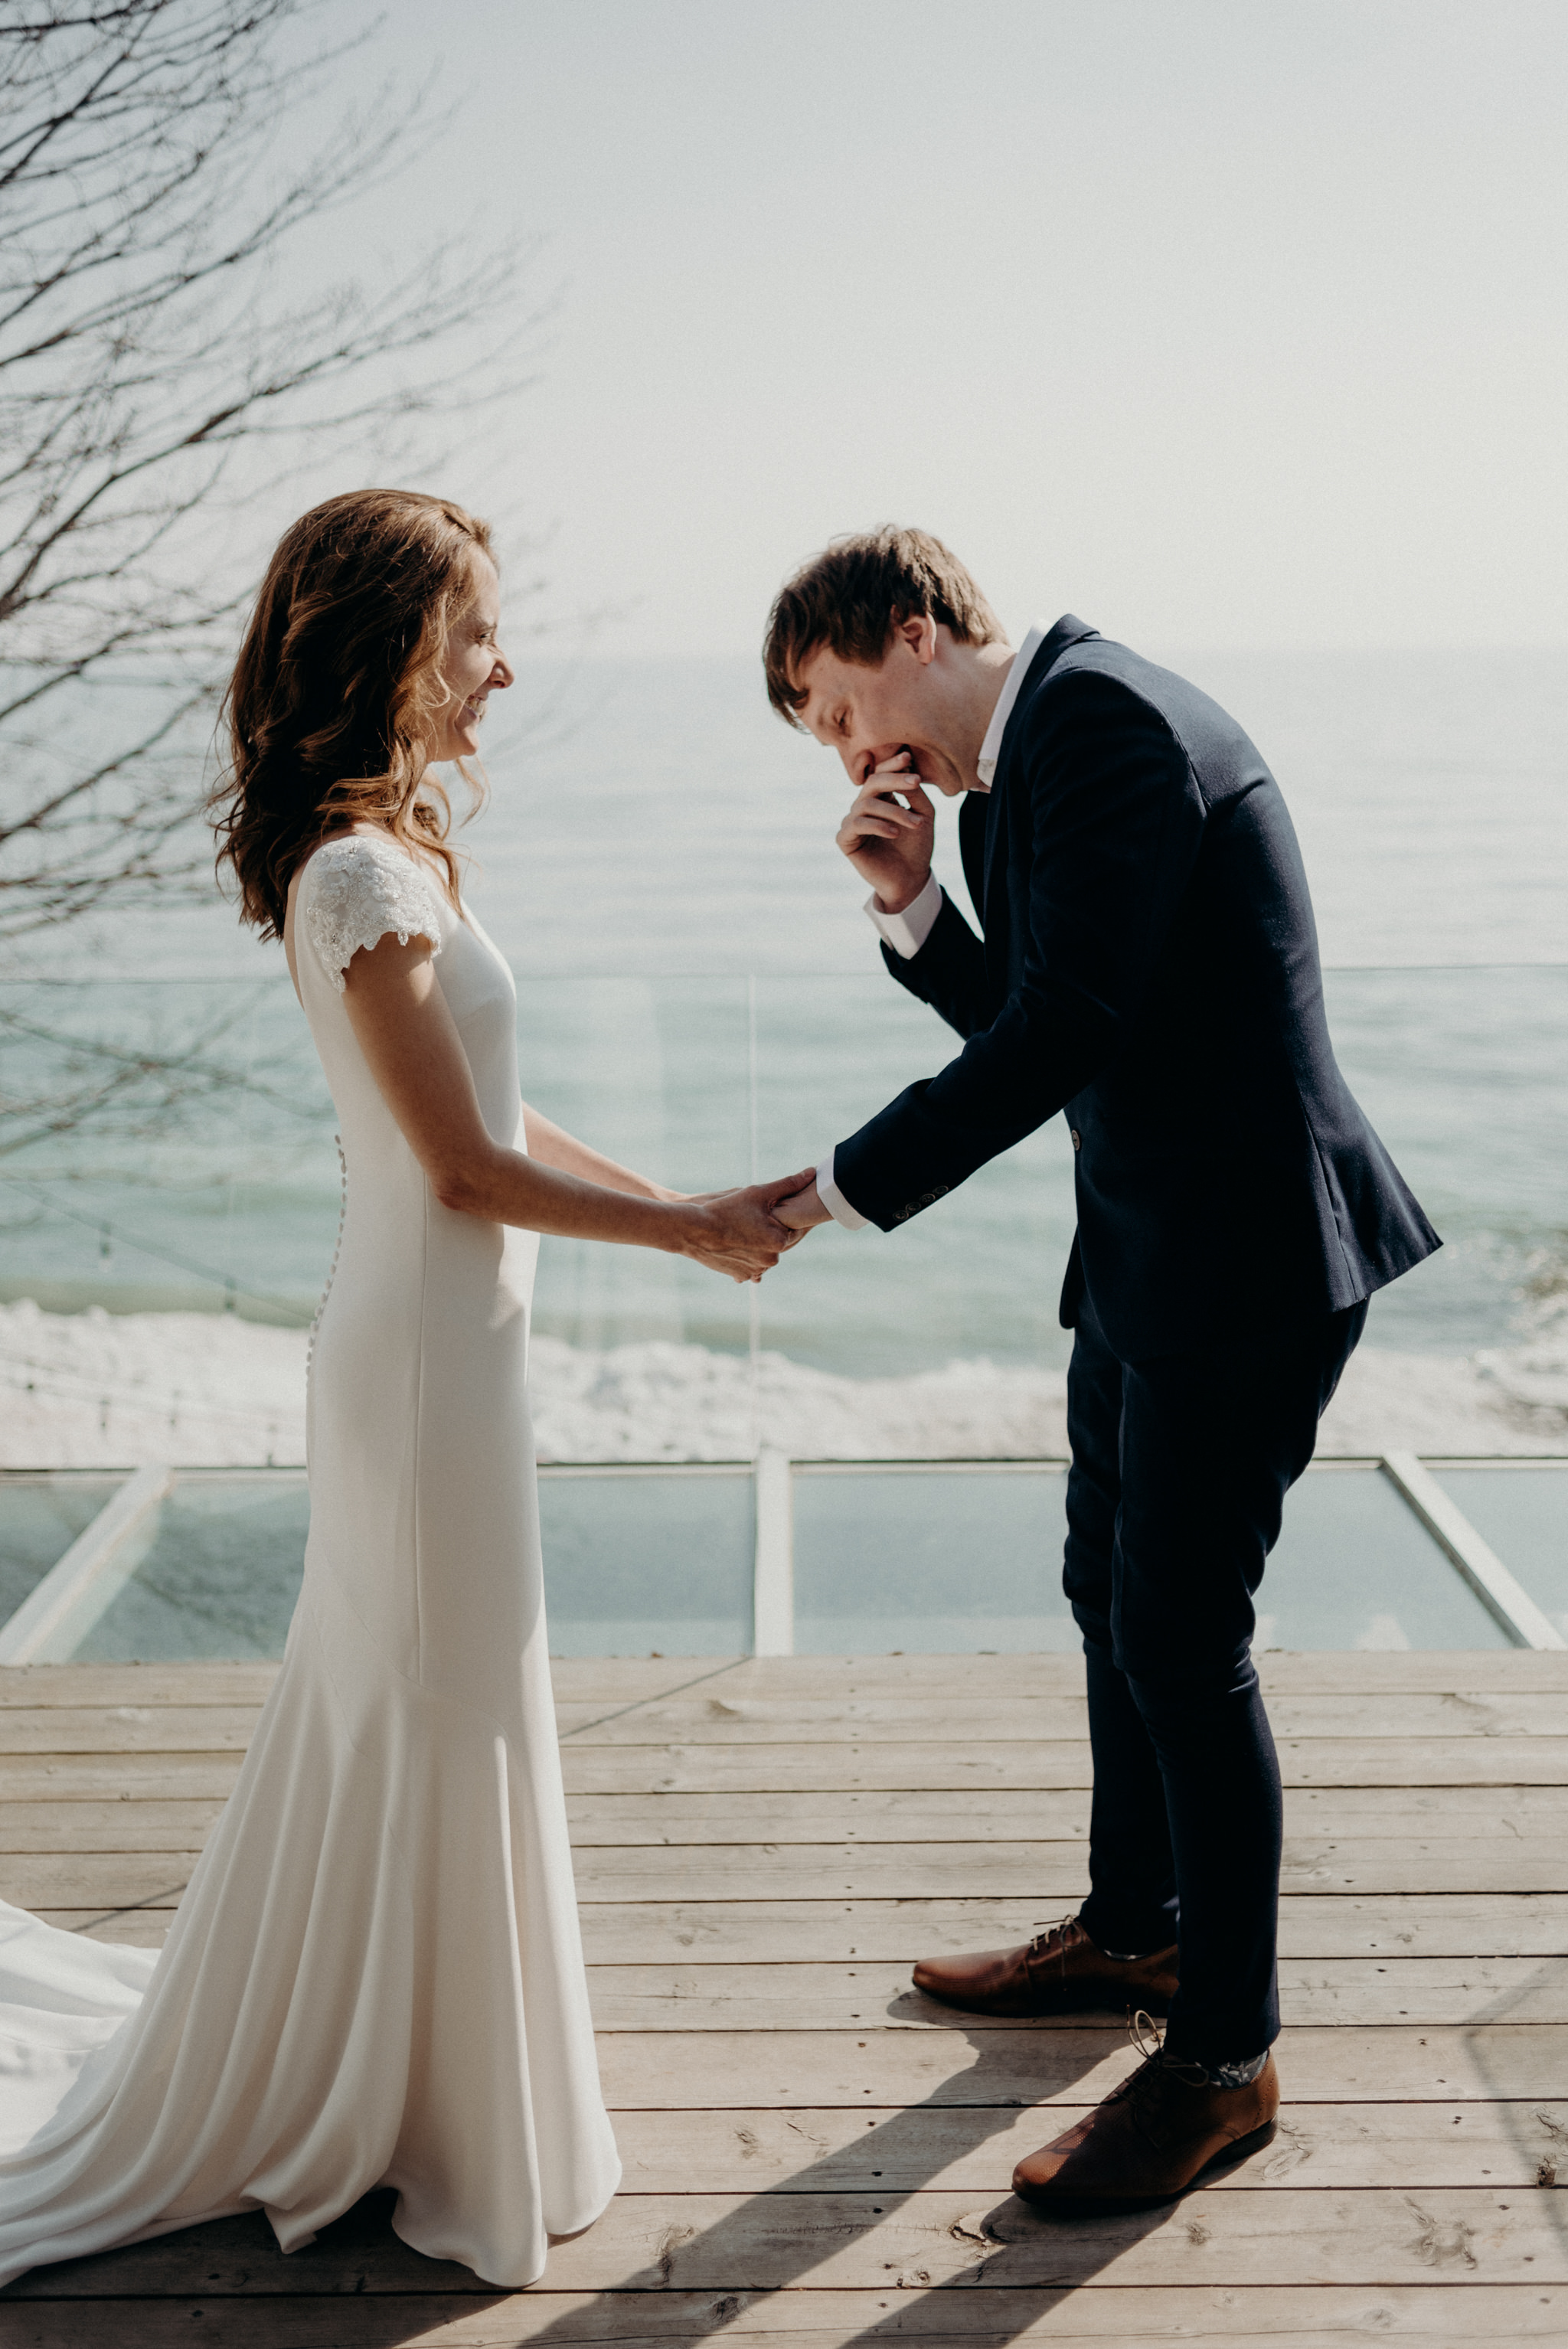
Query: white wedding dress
point(375, 1976)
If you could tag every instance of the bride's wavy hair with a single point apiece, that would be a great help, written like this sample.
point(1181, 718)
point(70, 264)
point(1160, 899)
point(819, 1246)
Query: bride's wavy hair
point(330, 709)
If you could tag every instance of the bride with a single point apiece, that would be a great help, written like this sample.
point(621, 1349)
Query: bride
point(375, 1976)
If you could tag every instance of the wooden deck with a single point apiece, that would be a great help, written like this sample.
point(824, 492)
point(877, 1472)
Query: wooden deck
point(816, 2155)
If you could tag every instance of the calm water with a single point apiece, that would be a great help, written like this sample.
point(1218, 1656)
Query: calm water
point(658, 835)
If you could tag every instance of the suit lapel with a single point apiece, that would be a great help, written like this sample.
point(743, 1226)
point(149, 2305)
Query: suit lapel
point(972, 829)
point(1069, 630)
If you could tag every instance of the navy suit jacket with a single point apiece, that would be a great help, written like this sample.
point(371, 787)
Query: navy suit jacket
point(1149, 964)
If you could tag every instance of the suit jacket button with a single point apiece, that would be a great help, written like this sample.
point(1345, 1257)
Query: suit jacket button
point(1077, 1138)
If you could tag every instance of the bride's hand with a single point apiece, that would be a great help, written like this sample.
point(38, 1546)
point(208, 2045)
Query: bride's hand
point(737, 1231)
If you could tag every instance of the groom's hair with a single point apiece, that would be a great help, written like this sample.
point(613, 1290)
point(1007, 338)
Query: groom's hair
point(853, 595)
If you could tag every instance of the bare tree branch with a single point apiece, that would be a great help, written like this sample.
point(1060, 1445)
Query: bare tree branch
point(159, 384)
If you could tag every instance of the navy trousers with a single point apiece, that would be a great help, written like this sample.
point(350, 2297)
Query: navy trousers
point(1179, 1470)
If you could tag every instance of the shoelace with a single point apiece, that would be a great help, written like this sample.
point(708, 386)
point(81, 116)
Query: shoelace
point(1150, 2041)
point(1040, 1946)
point(1145, 2034)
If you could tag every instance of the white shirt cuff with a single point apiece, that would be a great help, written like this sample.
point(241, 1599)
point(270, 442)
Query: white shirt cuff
point(832, 1198)
point(907, 932)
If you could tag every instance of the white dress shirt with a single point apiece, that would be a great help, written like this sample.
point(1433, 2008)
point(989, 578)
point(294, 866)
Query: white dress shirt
point(907, 932)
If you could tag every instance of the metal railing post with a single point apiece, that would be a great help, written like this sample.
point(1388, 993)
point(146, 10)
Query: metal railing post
point(83, 1585)
point(773, 1576)
point(1504, 1598)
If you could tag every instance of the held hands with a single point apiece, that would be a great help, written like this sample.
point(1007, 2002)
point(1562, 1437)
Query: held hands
point(739, 1232)
point(888, 833)
point(802, 1209)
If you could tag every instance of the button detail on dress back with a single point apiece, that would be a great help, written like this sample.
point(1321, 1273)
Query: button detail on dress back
point(1077, 1138)
point(336, 1252)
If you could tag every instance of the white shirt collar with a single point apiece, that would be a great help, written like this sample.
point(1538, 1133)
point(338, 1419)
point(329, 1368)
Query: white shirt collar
point(991, 748)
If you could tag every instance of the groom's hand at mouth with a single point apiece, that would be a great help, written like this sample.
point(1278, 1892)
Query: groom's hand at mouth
point(738, 1232)
point(888, 839)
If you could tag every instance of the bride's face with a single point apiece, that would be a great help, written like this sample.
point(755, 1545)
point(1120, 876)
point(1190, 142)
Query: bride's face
point(472, 668)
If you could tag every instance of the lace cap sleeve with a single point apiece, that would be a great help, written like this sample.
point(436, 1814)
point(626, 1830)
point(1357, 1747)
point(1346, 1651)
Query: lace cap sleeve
point(357, 892)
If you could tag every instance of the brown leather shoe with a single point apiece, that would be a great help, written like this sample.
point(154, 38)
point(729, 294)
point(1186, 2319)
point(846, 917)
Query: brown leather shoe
point(1058, 1972)
point(1163, 2130)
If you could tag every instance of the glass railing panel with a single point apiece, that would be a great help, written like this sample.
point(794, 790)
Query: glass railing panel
point(1354, 1568)
point(939, 1561)
point(943, 1559)
point(657, 1075)
point(654, 1562)
point(206, 1177)
point(634, 1562)
point(1520, 1510)
point(213, 1575)
point(225, 1186)
point(978, 1276)
point(1464, 1073)
point(40, 1518)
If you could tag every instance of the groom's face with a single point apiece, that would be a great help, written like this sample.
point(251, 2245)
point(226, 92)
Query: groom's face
point(870, 714)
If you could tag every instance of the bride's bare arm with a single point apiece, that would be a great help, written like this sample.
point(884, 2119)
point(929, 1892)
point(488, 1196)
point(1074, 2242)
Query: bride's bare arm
point(551, 1146)
point(400, 1016)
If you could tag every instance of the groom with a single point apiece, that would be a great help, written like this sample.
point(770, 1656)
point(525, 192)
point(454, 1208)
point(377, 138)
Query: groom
point(1149, 964)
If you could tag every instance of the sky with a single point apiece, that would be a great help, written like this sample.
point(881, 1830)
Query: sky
point(1218, 322)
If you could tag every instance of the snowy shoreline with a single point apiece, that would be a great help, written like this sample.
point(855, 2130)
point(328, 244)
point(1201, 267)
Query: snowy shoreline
point(93, 1390)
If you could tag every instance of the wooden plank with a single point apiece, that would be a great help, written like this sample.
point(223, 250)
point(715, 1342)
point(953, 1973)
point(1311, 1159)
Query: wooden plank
point(104, 1771)
point(1430, 1811)
point(899, 1932)
point(97, 1778)
point(144, 1769)
point(1051, 1874)
point(770, 2241)
point(633, 1679)
point(1051, 1878)
point(1342, 2148)
point(1047, 1875)
point(94, 1880)
point(123, 1826)
point(629, 1767)
point(813, 1817)
point(1471, 1670)
point(729, 1717)
point(654, 2070)
point(1122, 2318)
point(1062, 1762)
point(1431, 1765)
point(127, 1729)
point(832, 1678)
point(1011, 1814)
point(130, 1928)
point(599, 1681)
point(228, 2258)
point(1326, 1670)
point(74, 1686)
point(690, 2241)
point(740, 1932)
point(795, 1997)
point(630, 1679)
